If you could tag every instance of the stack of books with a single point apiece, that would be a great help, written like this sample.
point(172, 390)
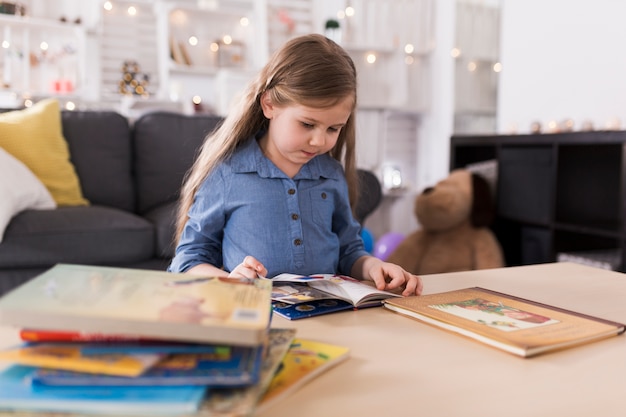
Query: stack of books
point(116, 341)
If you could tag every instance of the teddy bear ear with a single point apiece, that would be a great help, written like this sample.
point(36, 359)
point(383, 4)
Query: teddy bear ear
point(483, 210)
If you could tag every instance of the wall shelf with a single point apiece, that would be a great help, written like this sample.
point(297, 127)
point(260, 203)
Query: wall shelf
point(555, 193)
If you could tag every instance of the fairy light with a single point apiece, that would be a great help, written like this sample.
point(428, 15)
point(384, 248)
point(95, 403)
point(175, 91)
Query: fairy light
point(214, 47)
point(193, 41)
point(227, 39)
point(455, 53)
point(370, 58)
point(471, 66)
point(349, 11)
point(244, 21)
point(132, 11)
point(497, 67)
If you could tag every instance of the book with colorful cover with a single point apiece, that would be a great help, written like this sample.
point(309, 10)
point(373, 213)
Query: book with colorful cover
point(72, 358)
point(142, 303)
point(17, 393)
point(297, 296)
point(40, 335)
point(304, 360)
point(516, 325)
point(310, 308)
point(232, 402)
point(217, 367)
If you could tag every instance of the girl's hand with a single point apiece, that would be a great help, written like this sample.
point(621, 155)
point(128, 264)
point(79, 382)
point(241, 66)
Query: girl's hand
point(249, 268)
point(387, 276)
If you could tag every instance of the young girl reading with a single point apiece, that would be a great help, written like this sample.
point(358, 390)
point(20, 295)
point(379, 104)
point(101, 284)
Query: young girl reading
point(272, 188)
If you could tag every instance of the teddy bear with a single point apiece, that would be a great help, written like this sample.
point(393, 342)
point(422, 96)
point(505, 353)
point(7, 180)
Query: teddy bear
point(454, 216)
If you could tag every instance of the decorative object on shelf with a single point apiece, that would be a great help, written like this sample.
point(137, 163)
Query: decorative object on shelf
point(566, 125)
point(587, 126)
point(230, 53)
point(332, 30)
point(133, 81)
point(9, 7)
point(535, 128)
point(285, 18)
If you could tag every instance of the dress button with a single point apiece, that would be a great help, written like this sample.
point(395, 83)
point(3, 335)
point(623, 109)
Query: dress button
point(324, 196)
point(291, 191)
point(297, 242)
point(294, 216)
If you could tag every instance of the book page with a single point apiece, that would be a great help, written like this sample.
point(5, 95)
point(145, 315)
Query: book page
point(341, 286)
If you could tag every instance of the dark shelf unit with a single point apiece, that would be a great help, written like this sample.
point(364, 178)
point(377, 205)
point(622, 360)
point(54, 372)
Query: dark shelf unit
point(555, 193)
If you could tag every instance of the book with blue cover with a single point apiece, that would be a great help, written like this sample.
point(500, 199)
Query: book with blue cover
point(299, 296)
point(17, 393)
point(224, 367)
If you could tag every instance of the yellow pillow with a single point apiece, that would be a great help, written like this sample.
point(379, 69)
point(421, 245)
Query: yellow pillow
point(35, 137)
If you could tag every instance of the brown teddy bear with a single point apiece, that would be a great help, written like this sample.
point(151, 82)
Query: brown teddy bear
point(454, 215)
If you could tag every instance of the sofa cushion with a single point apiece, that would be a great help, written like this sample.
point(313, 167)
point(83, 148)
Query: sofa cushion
point(165, 147)
point(88, 235)
point(163, 218)
point(101, 150)
point(34, 136)
point(20, 190)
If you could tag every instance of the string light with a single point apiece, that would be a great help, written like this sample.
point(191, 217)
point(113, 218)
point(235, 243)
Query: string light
point(370, 58)
point(455, 52)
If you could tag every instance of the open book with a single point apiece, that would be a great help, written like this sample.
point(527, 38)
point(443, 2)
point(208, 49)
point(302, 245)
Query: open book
point(516, 325)
point(298, 296)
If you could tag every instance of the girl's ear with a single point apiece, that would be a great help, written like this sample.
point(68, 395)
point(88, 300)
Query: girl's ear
point(266, 105)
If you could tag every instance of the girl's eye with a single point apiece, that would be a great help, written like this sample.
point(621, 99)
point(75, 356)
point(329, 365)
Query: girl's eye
point(307, 125)
point(333, 129)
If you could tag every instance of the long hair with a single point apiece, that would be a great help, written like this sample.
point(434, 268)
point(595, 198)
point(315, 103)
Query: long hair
point(309, 70)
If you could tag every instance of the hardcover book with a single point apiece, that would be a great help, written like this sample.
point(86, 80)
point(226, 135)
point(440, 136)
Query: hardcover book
point(72, 358)
point(296, 296)
point(216, 367)
point(516, 325)
point(142, 303)
point(304, 360)
point(17, 393)
point(234, 402)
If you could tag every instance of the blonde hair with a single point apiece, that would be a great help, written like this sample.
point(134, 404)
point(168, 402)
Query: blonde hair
point(308, 70)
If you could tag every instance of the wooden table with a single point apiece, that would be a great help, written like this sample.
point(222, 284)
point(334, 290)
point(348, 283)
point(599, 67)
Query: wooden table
point(400, 367)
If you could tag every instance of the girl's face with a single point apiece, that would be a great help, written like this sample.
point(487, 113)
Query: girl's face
point(299, 133)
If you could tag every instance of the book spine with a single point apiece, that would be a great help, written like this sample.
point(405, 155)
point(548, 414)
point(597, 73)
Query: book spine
point(29, 335)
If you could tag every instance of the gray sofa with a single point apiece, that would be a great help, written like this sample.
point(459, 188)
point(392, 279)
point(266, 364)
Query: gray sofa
point(131, 175)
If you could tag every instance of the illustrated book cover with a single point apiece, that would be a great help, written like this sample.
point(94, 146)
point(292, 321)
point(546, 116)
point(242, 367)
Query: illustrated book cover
point(304, 360)
point(296, 296)
point(215, 367)
point(142, 303)
point(18, 393)
point(72, 358)
point(236, 402)
point(516, 325)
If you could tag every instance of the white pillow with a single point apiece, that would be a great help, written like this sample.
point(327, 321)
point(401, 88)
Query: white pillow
point(20, 189)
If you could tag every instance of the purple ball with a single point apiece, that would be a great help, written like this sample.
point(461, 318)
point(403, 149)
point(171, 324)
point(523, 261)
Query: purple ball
point(386, 244)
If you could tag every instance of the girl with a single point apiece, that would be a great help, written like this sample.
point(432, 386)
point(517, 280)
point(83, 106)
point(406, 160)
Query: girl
point(272, 188)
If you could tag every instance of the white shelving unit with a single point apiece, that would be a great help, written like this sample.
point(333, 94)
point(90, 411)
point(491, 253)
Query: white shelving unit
point(40, 57)
point(211, 51)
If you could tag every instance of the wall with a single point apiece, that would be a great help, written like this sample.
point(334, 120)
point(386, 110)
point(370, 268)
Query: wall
point(562, 59)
